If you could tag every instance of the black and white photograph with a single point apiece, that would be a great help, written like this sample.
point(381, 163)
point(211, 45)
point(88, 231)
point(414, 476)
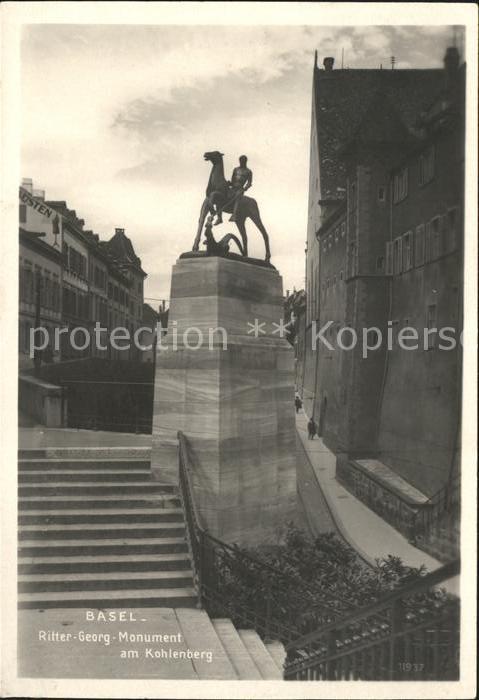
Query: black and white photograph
point(241, 257)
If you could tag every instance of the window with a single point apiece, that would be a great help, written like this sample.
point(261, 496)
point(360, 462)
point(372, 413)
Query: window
point(55, 294)
point(352, 259)
point(381, 194)
point(372, 338)
point(407, 252)
point(46, 301)
point(343, 229)
point(380, 263)
point(28, 284)
point(341, 275)
point(451, 230)
point(427, 243)
point(400, 185)
point(389, 258)
point(22, 213)
point(419, 245)
point(436, 242)
point(431, 322)
point(426, 166)
point(397, 256)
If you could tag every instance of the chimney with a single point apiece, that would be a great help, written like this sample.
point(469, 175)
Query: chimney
point(120, 230)
point(39, 194)
point(328, 63)
point(451, 64)
point(27, 184)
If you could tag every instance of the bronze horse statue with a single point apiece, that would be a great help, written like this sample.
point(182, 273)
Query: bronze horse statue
point(220, 197)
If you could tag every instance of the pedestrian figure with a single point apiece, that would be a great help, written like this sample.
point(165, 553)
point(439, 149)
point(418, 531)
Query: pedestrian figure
point(311, 429)
point(298, 403)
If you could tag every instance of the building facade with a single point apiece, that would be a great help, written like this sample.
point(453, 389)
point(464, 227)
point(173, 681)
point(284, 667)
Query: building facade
point(384, 254)
point(40, 273)
point(71, 281)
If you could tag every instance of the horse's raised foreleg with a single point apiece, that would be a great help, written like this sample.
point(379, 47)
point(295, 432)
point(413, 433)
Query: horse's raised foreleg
point(205, 209)
point(216, 200)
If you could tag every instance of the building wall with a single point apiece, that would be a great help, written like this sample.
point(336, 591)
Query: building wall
point(75, 301)
point(37, 268)
point(35, 215)
point(400, 406)
point(118, 292)
point(421, 403)
point(98, 293)
point(310, 361)
point(38, 265)
point(329, 388)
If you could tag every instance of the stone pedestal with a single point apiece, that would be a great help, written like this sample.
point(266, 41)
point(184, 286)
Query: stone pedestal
point(233, 397)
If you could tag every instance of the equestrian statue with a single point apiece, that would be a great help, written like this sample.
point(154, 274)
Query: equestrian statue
point(228, 196)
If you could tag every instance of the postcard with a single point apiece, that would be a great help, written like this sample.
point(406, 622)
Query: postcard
point(238, 364)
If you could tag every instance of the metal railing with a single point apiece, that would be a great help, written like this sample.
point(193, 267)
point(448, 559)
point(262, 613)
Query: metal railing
point(277, 605)
point(411, 633)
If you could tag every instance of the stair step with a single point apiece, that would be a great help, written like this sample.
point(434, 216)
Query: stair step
point(105, 581)
point(64, 464)
point(32, 453)
point(88, 501)
point(94, 488)
point(258, 652)
point(108, 563)
point(236, 650)
point(99, 530)
point(199, 633)
point(150, 545)
point(151, 597)
point(277, 652)
point(83, 475)
point(121, 516)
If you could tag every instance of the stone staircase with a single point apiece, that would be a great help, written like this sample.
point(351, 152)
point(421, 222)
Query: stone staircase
point(97, 533)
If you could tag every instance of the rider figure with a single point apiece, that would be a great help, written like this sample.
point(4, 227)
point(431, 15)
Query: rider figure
point(241, 180)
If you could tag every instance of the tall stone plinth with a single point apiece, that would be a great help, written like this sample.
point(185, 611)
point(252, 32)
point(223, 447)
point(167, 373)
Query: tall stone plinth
point(233, 397)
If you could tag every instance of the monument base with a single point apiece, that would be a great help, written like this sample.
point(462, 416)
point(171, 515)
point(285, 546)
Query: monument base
point(232, 395)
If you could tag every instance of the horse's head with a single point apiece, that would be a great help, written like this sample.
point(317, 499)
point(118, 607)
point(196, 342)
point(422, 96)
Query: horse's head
point(213, 156)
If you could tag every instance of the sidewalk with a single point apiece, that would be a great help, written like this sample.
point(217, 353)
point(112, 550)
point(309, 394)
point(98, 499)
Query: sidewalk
point(367, 532)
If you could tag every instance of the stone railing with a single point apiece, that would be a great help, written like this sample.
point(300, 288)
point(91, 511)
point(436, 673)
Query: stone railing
point(42, 401)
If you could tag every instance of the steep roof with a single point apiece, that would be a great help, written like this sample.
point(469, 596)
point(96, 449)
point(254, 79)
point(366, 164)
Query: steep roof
point(121, 248)
point(343, 99)
point(149, 314)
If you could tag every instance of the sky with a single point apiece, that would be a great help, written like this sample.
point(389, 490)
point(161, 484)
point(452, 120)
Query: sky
point(116, 118)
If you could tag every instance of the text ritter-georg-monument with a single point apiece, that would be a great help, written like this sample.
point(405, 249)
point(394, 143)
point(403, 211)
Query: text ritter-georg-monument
point(227, 388)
